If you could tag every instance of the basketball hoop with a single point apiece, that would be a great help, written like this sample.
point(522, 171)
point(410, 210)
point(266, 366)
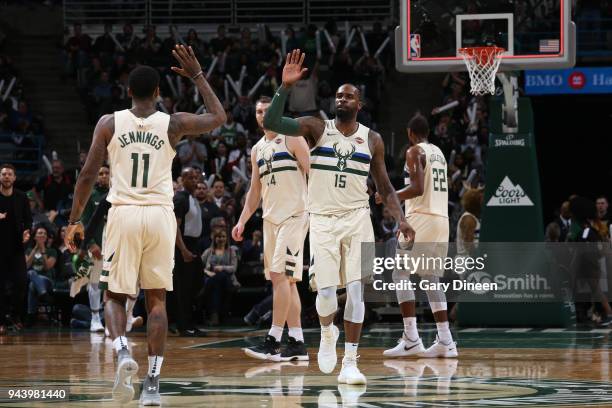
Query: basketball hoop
point(482, 64)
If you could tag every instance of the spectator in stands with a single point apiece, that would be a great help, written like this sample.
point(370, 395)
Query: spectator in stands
point(229, 131)
point(220, 264)
point(102, 94)
point(128, 40)
point(52, 189)
point(77, 49)
point(187, 258)
point(15, 224)
point(302, 100)
point(21, 119)
point(602, 209)
point(252, 250)
point(244, 114)
point(220, 43)
point(150, 47)
point(40, 261)
point(192, 153)
point(105, 46)
point(209, 211)
point(219, 193)
point(564, 220)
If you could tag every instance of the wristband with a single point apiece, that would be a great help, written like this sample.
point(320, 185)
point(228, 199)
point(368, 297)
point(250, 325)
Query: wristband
point(74, 222)
point(197, 75)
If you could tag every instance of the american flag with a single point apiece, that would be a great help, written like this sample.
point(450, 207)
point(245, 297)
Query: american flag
point(548, 46)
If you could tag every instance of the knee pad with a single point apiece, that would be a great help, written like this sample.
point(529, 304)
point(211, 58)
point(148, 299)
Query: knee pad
point(327, 301)
point(436, 298)
point(405, 295)
point(354, 310)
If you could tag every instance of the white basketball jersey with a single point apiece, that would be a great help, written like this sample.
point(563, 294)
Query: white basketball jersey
point(434, 199)
point(140, 157)
point(339, 168)
point(460, 242)
point(283, 184)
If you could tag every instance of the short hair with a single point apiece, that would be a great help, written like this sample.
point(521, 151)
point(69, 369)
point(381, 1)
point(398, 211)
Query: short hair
point(219, 181)
point(8, 166)
point(357, 89)
point(419, 125)
point(105, 165)
point(143, 81)
point(263, 99)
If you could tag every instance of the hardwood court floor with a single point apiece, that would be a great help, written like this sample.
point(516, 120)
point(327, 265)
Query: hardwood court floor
point(497, 367)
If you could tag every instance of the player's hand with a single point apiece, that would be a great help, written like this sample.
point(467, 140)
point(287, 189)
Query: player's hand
point(237, 232)
point(73, 232)
point(188, 256)
point(189, 63)
point(96, 251)
point(378, 198)
point(293, 71)
point(408, 232)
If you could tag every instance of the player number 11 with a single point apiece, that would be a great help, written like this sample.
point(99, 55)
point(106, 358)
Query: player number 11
point(145, 174)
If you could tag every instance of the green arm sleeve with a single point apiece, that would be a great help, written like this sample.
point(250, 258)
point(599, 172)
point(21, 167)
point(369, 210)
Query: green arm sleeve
point(274, 119)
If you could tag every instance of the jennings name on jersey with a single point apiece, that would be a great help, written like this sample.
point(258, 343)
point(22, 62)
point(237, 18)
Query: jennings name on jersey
point(434, 200)
point(140, 157)
point(283, 184)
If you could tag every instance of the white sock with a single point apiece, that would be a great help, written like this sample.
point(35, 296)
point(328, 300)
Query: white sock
point(121, 342)
point(410, 328)
point(296, 333)
point(444, 333)
point(155, 363)
point(326, 329)
point(276, 332)
point(129, 307)
point(95, 315)
point(350, 349)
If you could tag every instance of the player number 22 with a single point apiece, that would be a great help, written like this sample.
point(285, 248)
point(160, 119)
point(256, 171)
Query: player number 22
point(145, 174)
point(439, 179)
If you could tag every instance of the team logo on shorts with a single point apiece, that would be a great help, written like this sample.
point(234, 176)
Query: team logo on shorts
point(343, 156)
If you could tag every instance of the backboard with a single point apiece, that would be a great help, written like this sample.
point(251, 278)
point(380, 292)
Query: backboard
point(536, 34)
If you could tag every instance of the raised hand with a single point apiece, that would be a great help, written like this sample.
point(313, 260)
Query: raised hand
point(293, 71)
point(190, 67)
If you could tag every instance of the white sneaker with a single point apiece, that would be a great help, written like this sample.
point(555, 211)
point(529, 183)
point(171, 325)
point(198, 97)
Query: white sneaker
point(327, 399)
point(405, 347)
point(441, 349)
point(96, 325)
point(326, 356)
point(127, 367)
point(132, 322)
point(350, 374)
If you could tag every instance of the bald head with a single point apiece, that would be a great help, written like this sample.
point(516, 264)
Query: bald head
point(190, 179)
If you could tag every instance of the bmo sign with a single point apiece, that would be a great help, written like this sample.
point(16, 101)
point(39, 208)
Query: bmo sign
point(569, 81)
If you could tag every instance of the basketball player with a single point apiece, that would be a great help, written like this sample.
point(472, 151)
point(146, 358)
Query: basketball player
point(141, 227)
point(280, 165)
point(426, 195)
point(343, 152)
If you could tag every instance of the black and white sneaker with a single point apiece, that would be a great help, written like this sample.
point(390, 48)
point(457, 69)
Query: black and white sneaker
point(294, 351)
point(268, 350)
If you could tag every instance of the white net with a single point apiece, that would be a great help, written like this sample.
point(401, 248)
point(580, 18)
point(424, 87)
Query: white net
point(482, 64)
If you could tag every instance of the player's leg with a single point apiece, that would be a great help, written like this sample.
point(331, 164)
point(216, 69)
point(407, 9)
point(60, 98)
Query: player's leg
point(119, 276)
point(95, 295)
point(324, 276)
point(295, 349)
point(157, 331)
point(155, 279)
point(410, 343)
point(443, 346)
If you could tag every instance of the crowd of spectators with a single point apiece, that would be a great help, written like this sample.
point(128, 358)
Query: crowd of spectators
point(20, 128)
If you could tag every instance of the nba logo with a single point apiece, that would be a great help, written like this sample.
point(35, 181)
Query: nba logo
point(415, 45)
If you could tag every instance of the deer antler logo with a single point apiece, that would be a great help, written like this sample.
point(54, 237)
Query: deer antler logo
point(343, 157)
point(268, 161)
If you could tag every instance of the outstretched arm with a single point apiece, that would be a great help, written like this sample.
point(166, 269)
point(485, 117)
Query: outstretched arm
point(310, 127)
point(415, 189)
point(183, 123)
point(384, 186)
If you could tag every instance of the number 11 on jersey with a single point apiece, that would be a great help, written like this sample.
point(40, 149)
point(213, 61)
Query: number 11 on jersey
point(145, 174)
